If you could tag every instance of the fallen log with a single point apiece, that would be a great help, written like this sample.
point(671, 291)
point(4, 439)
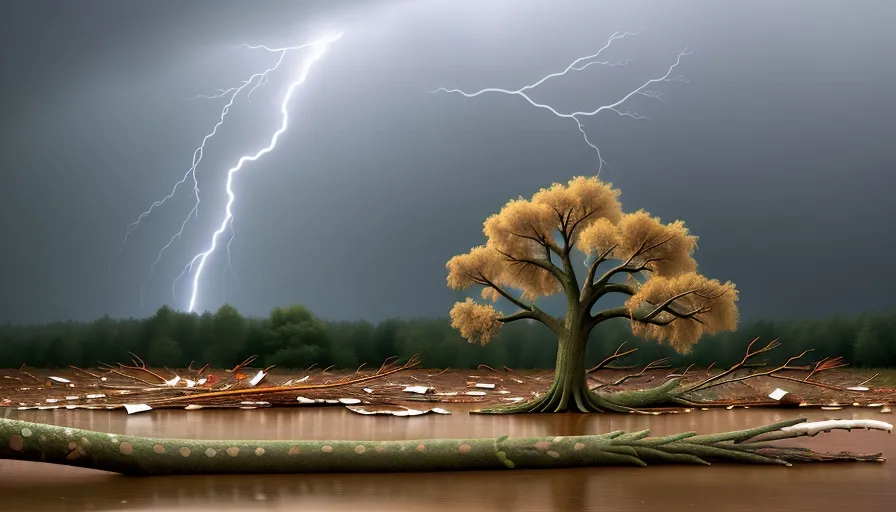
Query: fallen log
point(136, 455)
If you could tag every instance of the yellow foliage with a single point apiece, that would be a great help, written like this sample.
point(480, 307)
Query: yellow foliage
point(580, 203)
point(481, 263)
point(523, 235)
point(477, 323)
point(519, 228)
point(714, 302)
point(599, 237)
point(669, 245)
point(533, 281)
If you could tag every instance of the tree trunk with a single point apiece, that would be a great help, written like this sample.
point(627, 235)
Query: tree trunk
point(569, 390)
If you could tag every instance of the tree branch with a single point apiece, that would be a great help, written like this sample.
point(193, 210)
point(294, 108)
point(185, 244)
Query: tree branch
point(528, 311)
point(616, 355)
point(543, 264)
point(522, 315)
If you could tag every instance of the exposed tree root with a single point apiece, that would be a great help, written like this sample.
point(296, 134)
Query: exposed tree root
point(135, 455)
point(582, 399)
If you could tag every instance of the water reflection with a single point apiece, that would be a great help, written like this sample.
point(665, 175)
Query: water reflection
point(28, 486)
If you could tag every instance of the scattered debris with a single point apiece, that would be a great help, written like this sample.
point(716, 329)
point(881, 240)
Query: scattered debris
point(135, 408)
point(394, 410)
point(59, 379)
point(258, 378)
point(484, 386)
point(777, 394)
point(420, 390)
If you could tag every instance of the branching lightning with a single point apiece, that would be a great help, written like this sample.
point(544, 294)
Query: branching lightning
point(318, 48)
point(579, 65)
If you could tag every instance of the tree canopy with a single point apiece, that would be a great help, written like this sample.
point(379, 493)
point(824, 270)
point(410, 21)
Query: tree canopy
point(529, 249)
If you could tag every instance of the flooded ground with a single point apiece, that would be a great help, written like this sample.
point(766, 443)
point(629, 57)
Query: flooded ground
point(32, 486)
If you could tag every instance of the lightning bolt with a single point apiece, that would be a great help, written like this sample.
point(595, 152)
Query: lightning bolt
point(231, 94)
point(579, 65)
point(319, 48)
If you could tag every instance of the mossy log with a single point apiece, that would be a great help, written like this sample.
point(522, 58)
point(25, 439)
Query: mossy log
point(134, 455)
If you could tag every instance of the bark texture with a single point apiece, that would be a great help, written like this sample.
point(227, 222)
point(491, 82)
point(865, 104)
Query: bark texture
point(134, 455)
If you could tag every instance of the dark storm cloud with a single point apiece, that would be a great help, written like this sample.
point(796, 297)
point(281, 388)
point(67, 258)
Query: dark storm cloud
point(777, 152)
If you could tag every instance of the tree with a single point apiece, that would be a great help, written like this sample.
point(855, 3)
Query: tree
point(530, 249)
point(297, 338)
point(229, 332)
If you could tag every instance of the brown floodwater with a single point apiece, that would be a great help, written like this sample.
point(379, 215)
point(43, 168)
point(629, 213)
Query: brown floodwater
point(847, 486)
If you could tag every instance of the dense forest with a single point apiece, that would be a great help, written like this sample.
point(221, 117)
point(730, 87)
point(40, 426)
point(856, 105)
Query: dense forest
point(294, 337)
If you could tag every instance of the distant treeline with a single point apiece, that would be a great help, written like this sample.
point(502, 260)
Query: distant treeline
point(293, 337)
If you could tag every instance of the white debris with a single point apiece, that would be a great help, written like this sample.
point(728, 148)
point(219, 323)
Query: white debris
point(193, 407)
point(831, 408)
point(258, 376)
point(828, 425)
point(47, 407)
point(408, 412)
point(135, 408)
point(190, 383)
point(59, 379)
point(475, 393)
point(876, 405)
point(303, 400)
point(858, 388)
point(515, 399)
point(71, 407)
point(420, 390)
point(174, 381)
point(349, 401)
point(777, 394)
point(202, 381)
point(98, 395)
point(485, 386)
point(368, 390)
point(103, 379)
point(447, 393)
point(401, 412)
point(52, 400)
point(504, 392)
point(303, 379)
point(331, 401)
point(518, 381)
point(885, 410)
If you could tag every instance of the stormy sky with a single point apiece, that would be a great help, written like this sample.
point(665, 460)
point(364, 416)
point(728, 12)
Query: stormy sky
point(778, 152)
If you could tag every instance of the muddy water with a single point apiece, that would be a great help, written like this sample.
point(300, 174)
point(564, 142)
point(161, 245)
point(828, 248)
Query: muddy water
point(32, 486)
